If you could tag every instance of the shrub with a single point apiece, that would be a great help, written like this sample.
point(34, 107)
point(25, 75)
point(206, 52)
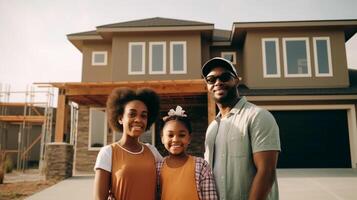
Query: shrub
point(9, 166)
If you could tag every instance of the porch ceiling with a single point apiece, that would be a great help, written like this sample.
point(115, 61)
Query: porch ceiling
point(96, 93)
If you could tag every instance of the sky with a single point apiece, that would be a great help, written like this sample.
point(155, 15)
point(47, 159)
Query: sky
point(34, 45)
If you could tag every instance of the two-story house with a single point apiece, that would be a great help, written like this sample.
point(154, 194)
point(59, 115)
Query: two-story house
point(297, 70)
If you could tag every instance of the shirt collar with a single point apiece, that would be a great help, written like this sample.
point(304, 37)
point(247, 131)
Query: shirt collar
point(236, 109)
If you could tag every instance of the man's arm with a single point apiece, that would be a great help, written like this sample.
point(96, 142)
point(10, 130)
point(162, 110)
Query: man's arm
point(265, 162)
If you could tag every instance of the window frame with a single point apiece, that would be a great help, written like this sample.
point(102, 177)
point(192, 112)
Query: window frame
point(90, 148)
point(329, 58)
point(104, 63)
point(184, 71)
point(277, 53)
point(308, 59)
point(151, 44)
point(232, 53)
point(130, 72)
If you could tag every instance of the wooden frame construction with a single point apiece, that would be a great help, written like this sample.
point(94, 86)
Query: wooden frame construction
point(96, 93)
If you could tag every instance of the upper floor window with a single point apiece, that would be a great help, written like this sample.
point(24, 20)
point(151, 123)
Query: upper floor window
point(322, 56)
point(178, 57)
point(231, 56)
point(136, 58)
point(97, 128)
point(157, 56)
point(296, 57)
point(271, 61)
point(99, 58)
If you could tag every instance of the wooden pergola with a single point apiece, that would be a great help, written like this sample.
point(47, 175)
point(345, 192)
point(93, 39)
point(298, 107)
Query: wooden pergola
point(96, 93)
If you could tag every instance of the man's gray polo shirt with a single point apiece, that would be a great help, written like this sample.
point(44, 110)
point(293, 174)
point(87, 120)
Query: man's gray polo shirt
point(250, 129)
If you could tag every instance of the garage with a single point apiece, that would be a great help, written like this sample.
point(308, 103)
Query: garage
point(313, 139)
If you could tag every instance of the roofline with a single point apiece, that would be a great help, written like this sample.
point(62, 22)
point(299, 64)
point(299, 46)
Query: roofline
point(158, 28)
point(345, 24)
point(277, 24)
point(84, 37)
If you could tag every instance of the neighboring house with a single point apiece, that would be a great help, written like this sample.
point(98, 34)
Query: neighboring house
point(297, 70)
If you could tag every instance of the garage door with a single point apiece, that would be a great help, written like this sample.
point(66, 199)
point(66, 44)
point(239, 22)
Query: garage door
point(313, 139)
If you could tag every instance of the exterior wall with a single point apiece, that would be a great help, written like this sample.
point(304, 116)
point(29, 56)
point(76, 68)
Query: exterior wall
point(253, 61)
point(84, 159)
point(121, 48)
point(205, 51)
point(96, 73)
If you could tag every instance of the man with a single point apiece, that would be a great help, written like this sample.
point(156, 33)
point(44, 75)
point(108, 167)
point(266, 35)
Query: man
point(242, 143)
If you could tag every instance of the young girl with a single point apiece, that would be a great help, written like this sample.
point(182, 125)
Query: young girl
point(127, 167)
point(182, 176)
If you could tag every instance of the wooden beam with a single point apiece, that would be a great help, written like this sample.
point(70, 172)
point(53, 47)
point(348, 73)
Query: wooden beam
point(22, 118)
point(36, 110)
point(211, 107)
point(159, 88)
point(30, 147)
point(16, 104)
point(60, 117)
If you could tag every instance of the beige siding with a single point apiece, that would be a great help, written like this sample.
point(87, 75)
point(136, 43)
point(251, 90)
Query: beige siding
point(253, 62)
point(96, 73)
point(121, 55)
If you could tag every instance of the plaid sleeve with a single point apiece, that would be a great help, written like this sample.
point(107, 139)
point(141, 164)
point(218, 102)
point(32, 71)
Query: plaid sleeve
point(158, 172)
point(206, 186)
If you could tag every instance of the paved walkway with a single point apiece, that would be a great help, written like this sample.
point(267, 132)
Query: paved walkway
point(294, 184)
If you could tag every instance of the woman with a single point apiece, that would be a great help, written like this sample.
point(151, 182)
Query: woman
point(127, 168)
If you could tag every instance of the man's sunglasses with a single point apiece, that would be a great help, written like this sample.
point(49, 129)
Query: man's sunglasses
point(224, 77)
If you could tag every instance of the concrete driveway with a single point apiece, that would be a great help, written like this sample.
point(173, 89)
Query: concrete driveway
point(294, 184)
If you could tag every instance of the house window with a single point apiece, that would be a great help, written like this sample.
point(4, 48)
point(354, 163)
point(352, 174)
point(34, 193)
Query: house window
point(136, 58)
point(97, 128)
point(178, 58)
point(271, 61)
point(231, 56)
point(296, 57)
point(322, 56)
point(99, 58)
point(157, 56)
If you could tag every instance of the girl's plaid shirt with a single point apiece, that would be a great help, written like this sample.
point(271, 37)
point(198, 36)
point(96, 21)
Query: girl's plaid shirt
point(205, 184)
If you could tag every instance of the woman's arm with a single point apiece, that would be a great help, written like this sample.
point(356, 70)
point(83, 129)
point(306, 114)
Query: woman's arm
point(101, 184)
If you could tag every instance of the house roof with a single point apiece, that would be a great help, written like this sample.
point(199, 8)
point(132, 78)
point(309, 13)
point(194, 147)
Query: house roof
point(155, 22)
point(240, 29)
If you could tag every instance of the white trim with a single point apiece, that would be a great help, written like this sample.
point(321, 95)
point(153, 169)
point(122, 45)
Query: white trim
point(90, 129)
point(351, 118)
point(163, 58)
point(105, 62)
point(308, 61)
point(278, 73)
point(184, 71)
point(223, 53)
point(317, 73)
point(130, 72)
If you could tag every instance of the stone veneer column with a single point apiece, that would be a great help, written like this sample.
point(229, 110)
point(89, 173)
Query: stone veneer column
point(58, 161)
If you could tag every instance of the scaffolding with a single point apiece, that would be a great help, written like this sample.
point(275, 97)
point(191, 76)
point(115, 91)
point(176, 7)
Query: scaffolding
point(34, 112)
